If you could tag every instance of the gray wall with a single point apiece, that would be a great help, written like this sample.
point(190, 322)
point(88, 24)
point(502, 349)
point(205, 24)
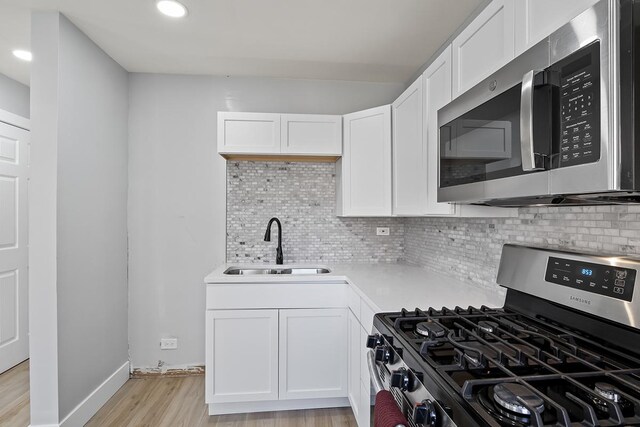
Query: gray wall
point(303, 197)
point(87, 121)
point(470, 248)
point(14, 96)
point(177, 192)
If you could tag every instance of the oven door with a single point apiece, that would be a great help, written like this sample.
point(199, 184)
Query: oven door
point(482, 152)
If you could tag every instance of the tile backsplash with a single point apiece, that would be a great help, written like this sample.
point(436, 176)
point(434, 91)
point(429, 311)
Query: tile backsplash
point(303, 197)
point(469, 248)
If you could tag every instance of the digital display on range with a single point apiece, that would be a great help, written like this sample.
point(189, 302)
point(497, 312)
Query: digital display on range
point(615, 282)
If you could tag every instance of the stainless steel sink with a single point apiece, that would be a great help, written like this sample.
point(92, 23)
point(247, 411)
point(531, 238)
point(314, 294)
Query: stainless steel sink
point(257, 270)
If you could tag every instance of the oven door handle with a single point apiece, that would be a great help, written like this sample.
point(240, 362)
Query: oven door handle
point(530, 160)
point(373, 372)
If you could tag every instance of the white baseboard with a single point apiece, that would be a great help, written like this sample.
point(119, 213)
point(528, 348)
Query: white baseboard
point(276, 405)
point(98, 397)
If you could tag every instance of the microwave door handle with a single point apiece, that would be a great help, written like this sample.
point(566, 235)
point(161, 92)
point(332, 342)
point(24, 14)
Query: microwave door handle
point(526, 125)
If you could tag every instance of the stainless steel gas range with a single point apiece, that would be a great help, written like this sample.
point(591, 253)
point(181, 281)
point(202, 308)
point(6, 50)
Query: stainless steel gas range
point(563, 351)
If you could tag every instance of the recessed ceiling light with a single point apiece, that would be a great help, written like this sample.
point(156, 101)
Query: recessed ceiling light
point(171, 8)
point(25, 55)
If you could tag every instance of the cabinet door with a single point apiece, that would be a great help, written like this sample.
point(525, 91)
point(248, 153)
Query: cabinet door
point(437, 94)
point(242, 355)
point(364, 178)
point(484, 45)
point(248, 133)
point(313, 353)
point(409, 169)
point(311, 134)
point(355, 352)
point(536, 19)
point(365, 382)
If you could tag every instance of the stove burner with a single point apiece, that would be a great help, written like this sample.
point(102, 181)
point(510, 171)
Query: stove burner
point(430, 329)
point(510, 395)
point(486, 326)
point(608, 391)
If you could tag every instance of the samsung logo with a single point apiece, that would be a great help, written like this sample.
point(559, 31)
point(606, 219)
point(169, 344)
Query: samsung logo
point(582, 300)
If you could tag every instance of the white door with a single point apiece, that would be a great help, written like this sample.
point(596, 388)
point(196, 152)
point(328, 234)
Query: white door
point(311, 134)
point(437, 93)
point(364, 171)
point(484, 46)
point(313, 353)
point(242, 355)
point(409, 169)
point(14, 275)
point(248, 133)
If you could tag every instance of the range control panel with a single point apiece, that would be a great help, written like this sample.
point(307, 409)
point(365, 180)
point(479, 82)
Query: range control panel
point(615, 282)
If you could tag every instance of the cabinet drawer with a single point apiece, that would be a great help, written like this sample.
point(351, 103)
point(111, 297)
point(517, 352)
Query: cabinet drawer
point(231, 296)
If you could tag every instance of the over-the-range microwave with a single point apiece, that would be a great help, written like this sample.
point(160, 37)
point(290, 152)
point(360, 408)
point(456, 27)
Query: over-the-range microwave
point(557, 124)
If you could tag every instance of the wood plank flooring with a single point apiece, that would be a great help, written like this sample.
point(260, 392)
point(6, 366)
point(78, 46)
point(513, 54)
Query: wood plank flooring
point(161, 402)
point(14, 396)
point(169, 402)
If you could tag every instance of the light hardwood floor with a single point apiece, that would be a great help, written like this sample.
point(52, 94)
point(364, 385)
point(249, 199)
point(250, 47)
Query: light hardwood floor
point(161, 402)
point(176, 402)
point(14, 396)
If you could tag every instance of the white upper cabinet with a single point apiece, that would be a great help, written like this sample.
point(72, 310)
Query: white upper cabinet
point(536, 19)
point(279, 134)
point(248, 133)
point(437, 93)
point(409, 156)
point(311, 134)
point(364, 171)
point(485, 45)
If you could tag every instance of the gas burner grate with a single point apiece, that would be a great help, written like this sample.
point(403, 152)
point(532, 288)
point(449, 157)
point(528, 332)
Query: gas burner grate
point(481, 348)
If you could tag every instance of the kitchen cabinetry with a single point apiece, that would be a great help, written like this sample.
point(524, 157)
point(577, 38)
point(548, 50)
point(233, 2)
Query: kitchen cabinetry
point(276, 346)
point(364, 171)
point(279, 134)
point(484, 45)
point(242, 369)
point(409, 152)
point(248, 133)
point(360, 326)
point(312, 348)
point(311, 134)
point(536, 19)
point(437, 93)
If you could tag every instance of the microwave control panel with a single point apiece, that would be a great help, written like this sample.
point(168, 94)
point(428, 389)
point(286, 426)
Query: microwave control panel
point(579, 107)
point(615, 282)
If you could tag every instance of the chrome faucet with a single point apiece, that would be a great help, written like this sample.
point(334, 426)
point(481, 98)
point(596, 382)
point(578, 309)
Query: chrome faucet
point(267, 238)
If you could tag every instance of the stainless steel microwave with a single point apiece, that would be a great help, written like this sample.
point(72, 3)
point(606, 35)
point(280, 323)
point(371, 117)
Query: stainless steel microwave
point(556, 125)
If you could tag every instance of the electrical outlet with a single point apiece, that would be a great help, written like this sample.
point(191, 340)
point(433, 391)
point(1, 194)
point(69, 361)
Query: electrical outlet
point(382, 231)
point(168, 343)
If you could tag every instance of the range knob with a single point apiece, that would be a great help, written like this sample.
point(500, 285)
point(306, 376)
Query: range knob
point(400, 379)
point(374, 341)
point(384, 354)
point(425, 413)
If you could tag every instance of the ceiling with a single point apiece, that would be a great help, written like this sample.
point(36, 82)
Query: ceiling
point(363, 40)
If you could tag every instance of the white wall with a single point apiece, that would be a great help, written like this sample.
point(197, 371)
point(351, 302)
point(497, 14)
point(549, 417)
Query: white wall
point(14, 96)
point(177, 192)
point(78, 241)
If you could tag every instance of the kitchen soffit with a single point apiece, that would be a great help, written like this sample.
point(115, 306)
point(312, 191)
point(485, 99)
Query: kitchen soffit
point(362, 40)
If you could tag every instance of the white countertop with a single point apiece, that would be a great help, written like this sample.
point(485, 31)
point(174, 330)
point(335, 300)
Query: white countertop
point(386, 287)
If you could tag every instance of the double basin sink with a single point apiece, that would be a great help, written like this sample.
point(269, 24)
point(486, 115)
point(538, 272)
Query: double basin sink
point(270, 270)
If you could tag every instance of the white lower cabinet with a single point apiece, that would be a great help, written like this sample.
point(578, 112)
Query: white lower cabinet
point(276, 359)
point(243, 369)
point(313, 343)
point(354, 364)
